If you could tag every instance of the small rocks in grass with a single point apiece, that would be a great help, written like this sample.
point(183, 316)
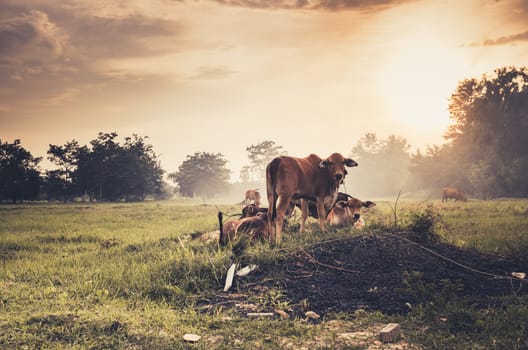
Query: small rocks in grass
point(390, 333)
point(281, 313)
point(520, 275)
point(312, 315)
point(246, 270)
point(260, 314)
point(191, 338)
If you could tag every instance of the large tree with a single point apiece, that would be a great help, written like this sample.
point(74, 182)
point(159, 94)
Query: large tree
point(490, 132)
point(259, 156)
point(487, 150)
point(383, 166)
point(19, 173)
point(107, 170)
point(61, 182)
point(202, 174)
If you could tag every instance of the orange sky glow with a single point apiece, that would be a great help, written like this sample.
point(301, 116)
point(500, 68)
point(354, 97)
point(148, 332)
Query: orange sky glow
point(220, 75)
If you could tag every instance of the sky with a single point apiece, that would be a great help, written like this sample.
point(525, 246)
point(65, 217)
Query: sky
point(220, 75)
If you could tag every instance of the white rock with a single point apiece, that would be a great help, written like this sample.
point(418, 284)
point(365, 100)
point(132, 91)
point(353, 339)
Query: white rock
point(229, 277)
point(246, 270)
point(312, 315)
point(191, 338)
point(520, 275)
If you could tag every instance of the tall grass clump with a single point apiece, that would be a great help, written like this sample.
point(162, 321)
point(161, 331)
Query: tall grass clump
point(423, 224)
point(186, 275)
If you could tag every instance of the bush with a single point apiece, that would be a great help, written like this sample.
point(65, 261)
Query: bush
point(420, 225)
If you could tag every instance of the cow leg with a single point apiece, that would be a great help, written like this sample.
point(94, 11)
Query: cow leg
point(321, 212)
point(282, 206)
point(304, 213)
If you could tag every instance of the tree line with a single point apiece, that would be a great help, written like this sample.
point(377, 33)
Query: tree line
point(105, 170)
point(486, 149)
point(485, 155)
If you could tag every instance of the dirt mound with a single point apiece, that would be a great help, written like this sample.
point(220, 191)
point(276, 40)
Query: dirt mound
point(382, 272)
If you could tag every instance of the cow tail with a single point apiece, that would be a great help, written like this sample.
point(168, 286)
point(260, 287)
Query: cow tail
point(271, 174)
point(221, 226)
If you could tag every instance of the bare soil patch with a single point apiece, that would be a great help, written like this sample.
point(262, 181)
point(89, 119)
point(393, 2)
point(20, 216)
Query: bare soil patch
point(368, 272)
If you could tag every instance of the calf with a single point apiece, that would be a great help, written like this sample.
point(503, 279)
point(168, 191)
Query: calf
point(231, 228)
point(345, 212)
point(252, 210)
point(256, 227)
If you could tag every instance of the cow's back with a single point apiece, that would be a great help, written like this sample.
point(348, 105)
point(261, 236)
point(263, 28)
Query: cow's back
point(297, 175)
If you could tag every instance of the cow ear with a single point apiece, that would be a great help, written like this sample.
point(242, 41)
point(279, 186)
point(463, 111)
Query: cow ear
point(350, 162)
point(341, 204)
point(324, 163)
point(368, 204)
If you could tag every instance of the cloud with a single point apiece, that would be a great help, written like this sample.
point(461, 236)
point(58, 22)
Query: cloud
point(30, 34)
point(67, 44)
point(333, 5)
point(123, 37)
point(212, 73)
point(63, 96)
point(509, 39)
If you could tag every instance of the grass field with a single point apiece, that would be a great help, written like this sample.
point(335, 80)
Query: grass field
point(130, 275)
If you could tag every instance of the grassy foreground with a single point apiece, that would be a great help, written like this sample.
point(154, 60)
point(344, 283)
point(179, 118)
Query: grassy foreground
point(114, 276)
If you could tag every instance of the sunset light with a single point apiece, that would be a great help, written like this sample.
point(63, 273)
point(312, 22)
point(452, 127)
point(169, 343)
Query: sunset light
point(263, 174)
point(219, 76)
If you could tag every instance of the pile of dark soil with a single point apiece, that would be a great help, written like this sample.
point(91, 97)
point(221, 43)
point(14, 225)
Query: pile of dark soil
point(382, 272)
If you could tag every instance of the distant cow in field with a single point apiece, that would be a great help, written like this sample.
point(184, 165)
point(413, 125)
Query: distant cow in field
point(453, 192)
point(310, 178)
point(252, 196)
point(345, 212)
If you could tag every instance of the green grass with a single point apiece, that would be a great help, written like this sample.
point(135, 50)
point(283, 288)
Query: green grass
point(112, 276)
point(498, 226)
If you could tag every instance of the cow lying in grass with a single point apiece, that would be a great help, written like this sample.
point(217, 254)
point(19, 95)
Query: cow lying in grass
point(252, 210)
point(345, 212)
point(348, 212)
point(253, 223)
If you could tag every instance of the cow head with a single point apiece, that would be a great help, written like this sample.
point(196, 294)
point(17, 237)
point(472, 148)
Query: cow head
point(335, 164)
point(353, 206)
point(249, 210)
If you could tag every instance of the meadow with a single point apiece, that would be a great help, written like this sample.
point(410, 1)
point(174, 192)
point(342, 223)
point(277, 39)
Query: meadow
point(141, 275)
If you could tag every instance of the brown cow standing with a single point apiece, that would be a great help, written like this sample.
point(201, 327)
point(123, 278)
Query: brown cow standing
point(453, 192)
point(252, 196)
point(290, 178)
